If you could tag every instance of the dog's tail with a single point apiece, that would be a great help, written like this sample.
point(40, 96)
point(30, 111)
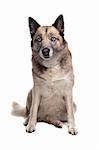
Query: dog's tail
point(18, 110)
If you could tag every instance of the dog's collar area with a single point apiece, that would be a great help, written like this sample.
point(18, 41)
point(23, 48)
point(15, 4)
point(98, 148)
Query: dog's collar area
point(51, 80)
point(38, 75)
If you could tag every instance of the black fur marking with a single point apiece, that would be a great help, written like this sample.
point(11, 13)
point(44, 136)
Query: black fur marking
point(46, 30)
point(59, 25)
point(32, 43)
point(33, 26)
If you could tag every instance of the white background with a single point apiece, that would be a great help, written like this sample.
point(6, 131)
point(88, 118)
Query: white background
point(16, 78)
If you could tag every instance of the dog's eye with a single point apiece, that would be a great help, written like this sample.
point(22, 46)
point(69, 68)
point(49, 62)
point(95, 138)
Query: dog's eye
point(53, 39)
point(39, 39)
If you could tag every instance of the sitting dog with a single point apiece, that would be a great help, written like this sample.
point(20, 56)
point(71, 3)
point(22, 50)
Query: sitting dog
point(50, 100)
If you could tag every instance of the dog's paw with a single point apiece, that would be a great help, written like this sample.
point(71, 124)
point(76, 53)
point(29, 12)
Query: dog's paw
point(25, 123)
point(30, 128)
point(72, 131)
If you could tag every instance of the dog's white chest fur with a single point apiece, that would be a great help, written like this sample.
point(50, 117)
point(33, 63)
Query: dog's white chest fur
point(56, 74)
point(55, 82)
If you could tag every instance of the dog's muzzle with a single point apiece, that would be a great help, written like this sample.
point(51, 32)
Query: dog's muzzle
point(46, 53)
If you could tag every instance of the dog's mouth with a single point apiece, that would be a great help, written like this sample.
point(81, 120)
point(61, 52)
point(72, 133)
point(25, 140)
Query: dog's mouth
point(46, 53)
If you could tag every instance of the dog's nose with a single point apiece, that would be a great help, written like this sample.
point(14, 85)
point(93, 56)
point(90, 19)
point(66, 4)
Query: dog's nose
point(45, 52)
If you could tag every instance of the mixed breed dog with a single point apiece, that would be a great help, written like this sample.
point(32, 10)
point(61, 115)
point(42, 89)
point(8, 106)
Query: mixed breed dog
point(50, 100)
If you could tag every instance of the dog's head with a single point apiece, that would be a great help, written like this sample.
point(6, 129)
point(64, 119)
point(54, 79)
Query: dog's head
point(47, 41)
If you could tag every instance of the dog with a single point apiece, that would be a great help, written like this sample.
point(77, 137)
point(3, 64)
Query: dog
point(50, 100)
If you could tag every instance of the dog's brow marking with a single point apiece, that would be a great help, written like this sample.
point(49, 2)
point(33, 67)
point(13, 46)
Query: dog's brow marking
point(46, 30)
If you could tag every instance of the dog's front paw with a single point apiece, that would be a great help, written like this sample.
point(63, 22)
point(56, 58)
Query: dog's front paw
point(72, 131)
point(30, 128)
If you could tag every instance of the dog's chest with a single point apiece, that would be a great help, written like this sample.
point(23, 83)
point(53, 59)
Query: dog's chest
point(55, 84)
point(52, 88)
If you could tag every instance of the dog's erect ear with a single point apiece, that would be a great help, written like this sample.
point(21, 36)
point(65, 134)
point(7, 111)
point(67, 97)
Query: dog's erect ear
point(33, 25)
point(59, 24)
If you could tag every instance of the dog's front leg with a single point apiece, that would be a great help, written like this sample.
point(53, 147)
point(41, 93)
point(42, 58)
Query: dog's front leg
point(33, 111)
point(70, 114)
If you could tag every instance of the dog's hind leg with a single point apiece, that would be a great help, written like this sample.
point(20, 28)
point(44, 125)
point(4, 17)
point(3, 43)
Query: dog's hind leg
point(25, 123)
point(56, 123)
point(28, 107)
